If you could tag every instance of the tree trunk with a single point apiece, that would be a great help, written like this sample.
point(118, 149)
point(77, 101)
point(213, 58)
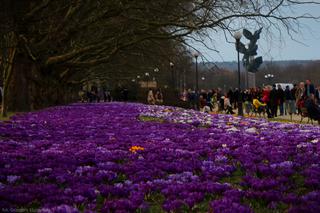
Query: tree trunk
point(31, 87)
point(26, 85)
point(8, 60)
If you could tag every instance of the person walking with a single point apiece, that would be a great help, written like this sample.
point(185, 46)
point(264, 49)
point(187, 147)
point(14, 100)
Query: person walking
point(309, 89)
point(236, 97)
point(125, 94)
point(299, 95)
point(293, 92)
point(300, 91)
point(227, 105)
point(159, 97)
point(192, 99)
point(209, 100)
point(202, 103)
point(289, 102)
point(230, 95)
point(280, 97)
point(273, 97)
point(100, 95)
point(214, 99)
point(312, 108)
point(150, 97)
point(266, 99)
point(317, 95)
point(247, 97)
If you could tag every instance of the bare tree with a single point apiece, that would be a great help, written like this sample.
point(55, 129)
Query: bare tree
point(57, 42)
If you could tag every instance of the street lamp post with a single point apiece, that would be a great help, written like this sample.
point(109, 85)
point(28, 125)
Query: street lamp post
point(238, 36)
point(184, 79)
point(156, 70)
point(269, 77)
point(196, 55)
point(203, 81)
point(172, 75)
point(147, 75)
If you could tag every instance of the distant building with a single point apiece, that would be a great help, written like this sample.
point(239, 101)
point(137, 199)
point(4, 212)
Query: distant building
point(148, 84)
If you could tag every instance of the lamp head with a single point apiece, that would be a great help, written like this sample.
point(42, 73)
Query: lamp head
point(237, 35)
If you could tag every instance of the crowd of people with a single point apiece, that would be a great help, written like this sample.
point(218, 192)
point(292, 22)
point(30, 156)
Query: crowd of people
point(96, 95)
point(272, 100)
point(269, 100)
point(155, 98)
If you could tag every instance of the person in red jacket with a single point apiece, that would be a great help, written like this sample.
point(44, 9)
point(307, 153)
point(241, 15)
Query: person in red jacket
point(266, 99)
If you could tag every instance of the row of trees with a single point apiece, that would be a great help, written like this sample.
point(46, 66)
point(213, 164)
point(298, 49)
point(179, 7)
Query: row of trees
point(48, 48)
point(225, 78)
point(292, 73)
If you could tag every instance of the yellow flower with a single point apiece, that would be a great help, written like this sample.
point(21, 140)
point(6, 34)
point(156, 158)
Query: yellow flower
point(134, 149)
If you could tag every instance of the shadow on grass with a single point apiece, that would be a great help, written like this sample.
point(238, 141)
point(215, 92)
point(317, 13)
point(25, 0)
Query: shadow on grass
point(8, 117)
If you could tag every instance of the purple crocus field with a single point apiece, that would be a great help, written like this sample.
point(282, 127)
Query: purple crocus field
point(121, 157)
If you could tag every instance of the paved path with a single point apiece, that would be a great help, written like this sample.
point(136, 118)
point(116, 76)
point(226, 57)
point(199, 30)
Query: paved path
point(285, 118)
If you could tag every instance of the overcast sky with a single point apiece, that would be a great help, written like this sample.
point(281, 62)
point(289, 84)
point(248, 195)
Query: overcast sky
point(275, 49)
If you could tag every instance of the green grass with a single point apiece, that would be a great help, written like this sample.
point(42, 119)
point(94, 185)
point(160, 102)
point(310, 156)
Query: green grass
point(299, 182)
point(9, 115)
point(204, 206)
point(155, 200)
point(261, 206)
point(283, 120)
point(235, 178)
point(150, 119)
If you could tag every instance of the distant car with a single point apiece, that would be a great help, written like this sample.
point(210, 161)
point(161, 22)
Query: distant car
point(283, 85)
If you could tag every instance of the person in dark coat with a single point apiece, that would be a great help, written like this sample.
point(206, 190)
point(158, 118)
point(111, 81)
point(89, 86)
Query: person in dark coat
point(289, 101)
point(312, 108)
point(230, 95)
point(273, 98)
point(317, 95)
point(280, 94)
point(236, 97)
point(125, 94)
point(309, 89)
point(209, 98)
point(192, 99)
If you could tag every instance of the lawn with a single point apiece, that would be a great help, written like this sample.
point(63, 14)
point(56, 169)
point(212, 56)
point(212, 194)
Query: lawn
point(129, 157)
point(9, 115)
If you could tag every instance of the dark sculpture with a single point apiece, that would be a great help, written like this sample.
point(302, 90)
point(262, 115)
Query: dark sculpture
point(249, 61)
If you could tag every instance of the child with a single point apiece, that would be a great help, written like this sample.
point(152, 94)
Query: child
point(227, 105)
